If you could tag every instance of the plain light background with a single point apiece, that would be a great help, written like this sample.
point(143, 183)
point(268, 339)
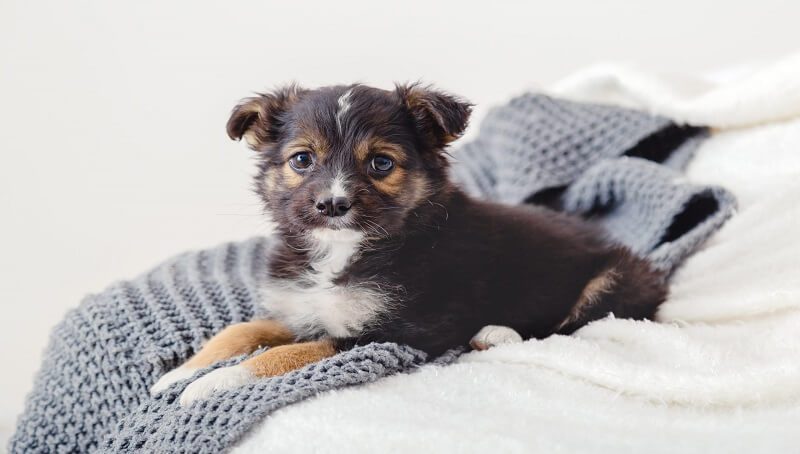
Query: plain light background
point(112, 114)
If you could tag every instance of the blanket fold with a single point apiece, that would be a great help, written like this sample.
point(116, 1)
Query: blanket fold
point(92, 391)
point(621, 166)
point(650, 208)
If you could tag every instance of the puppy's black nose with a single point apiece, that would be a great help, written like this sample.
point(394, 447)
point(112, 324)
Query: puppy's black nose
point(335, 206)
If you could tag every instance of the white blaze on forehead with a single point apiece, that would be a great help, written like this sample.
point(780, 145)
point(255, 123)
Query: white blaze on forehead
point(344, 106)
point(339, 186)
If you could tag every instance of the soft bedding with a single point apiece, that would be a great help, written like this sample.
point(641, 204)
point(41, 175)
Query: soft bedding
point(717, 372)
point(720, 372)
point(620, 165)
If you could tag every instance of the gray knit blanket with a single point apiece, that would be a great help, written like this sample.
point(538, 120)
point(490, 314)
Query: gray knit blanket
point(617, 166)
point(621, 167)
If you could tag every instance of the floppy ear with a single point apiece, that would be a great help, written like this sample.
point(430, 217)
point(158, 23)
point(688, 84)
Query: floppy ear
point(259, 119)
point(440, 117)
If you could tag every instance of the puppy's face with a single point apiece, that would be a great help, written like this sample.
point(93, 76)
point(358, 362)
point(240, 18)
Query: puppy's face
point(348, 157)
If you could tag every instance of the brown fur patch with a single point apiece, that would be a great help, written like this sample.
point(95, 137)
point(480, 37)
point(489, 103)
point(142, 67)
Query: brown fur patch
point(308, 141)
point(291, 179)
point(418, 189)
point(286, 358)
point(391, 184)
point(271, 179)
point(240, 339)
point(365, 148)
point(591, 295)
point(252, 139)
point(362, 150)
point(309, 138)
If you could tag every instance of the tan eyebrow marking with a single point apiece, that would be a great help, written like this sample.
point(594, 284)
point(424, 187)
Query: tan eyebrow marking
point(392, 150)
point(298, 145)
point(309, 140)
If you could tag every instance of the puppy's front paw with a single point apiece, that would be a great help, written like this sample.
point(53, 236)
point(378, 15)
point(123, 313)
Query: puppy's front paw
point(173, 376)
point(215, 381)
point(492, 335)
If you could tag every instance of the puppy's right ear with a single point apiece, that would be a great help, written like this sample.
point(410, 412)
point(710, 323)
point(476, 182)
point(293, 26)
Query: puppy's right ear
point(260, 119)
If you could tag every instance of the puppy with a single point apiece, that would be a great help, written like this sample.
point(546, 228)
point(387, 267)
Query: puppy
point(377, 244)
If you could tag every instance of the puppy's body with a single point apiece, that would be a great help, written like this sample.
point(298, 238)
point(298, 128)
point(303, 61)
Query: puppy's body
point(376, 244)
point(463, 264)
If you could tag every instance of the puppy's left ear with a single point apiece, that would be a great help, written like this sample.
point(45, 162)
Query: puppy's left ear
point(440, 117)
point(260, 119)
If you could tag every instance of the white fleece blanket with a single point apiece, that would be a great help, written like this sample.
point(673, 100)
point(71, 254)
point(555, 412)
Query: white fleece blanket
point(719, 373)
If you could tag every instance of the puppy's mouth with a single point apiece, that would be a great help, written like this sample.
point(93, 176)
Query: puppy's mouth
point(317, 221)
point(339, 222)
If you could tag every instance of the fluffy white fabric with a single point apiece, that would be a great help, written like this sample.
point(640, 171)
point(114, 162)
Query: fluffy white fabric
point(719, 373)
point(765, 95)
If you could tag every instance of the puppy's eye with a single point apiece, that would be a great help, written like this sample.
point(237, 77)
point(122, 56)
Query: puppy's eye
point(301, 161)
point(382, 164)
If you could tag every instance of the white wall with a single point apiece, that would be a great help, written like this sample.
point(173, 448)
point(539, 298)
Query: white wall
point(112, 114)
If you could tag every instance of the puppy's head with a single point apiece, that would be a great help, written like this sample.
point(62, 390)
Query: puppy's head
point(349, 157)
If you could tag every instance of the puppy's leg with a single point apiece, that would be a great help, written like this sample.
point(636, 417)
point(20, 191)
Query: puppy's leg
point(629, 289)
point(235, 340)
point(273, 362)
point(492, 335)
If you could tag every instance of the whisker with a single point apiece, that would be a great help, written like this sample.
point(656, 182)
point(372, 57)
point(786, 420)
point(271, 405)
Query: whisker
point(446, 213)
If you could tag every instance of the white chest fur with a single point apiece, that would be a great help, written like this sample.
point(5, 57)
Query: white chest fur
point(313, 305)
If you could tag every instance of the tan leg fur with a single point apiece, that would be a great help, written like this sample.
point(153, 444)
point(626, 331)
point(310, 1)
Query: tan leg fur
point(240, 339)
point(286, 358)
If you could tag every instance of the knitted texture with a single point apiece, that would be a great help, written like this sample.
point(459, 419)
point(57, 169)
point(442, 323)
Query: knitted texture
point(644, 206)
point(213, 425)
point(92, 393)
point(537, 142)
point(619, 166)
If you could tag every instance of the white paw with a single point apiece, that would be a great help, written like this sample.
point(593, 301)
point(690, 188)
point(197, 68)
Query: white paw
point(175, 375)
point(215, 381)
point(492, 335)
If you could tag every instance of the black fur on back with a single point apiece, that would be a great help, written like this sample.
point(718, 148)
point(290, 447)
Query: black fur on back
point(471, 263)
